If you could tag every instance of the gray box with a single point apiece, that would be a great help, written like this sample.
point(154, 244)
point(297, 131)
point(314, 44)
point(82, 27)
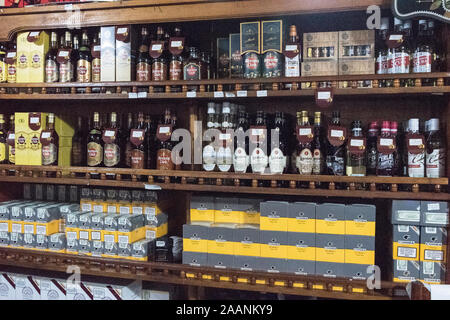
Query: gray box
point(224, 205)
point(360, 213)
point(69, 208)
point(28, 191)
point(246, 235)
point(97, 221)
point(72, 246)
point(196, 259)
point(433, 272)
point(406, 270)
point(274, 209)
point(141, 249)
point(302, 211)
point(246, 263)
point(110, 221)
point(301, 267)
point(359, 243)
point(48, 213)
point(301, 239)
point(330, 269)
point(84, 220)
point(111, 248)
point(97, 248)
point(73, 219)
point(192, 231)
point(96, 235)
point(357, 271)
point(30, 212)
point(50, 194)
point(39, 192)
point(433, 236)
point(272, 265)
point(84, 246)
point(41, 242)
point(221, 261)
point(74, 194)
point(406, 234)
point(274, 237)
point(203, 203)
point(124, 250)
point(221, 234)
point(16, 239)
point(4, 238)
point(330, 211)
point(405, 212)
point(130, 222)
point(29, 240)
point(433, 213)
point(5, 209)
point(332, 243)
point(57, 241)
point(155, 220)
point(18, 210)
point(251, 207)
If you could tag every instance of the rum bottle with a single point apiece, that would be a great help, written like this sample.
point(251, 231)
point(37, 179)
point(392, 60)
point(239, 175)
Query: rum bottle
point(50, 143)
point(241, 159)
point(66, 67)
point(415, 143)
point(292, 54)
point(164, 134)
point(372, 153)
point(143, 63)
point(224, 156)
point(139, 141)
point(112, 156)
point(96, 58)
point(95, 144)
point(3, 143)
point(128, 144)
point(258, 138)
point(51, 65)
point(336, 137)
point(11, 141)
point(78, 145)
point(209, 152)
point(84, 67)
point(304, 161)
point(158, 53)
point(386, 148)
point(356, 152)
point(318, 145)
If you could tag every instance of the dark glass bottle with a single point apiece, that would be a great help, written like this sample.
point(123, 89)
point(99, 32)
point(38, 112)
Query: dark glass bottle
point(113, 148)
point(385, 163)
point(176, 63)
point(75, 56)
point(128, 144)
point(192, 68)
point(3, 67)
point(139, 140)
point(84, 67)
point(51, 65)
point(318, 145)
point(11, 141)
point(159, 64)
point(164, 153)
point(66, 69)
point(423, 54)
point(356, 160)
point(335, 154)
point(382, 51)
point(151, 148)
point(304, 161)
point(78, 145)
point(51, 146)
point(397, 155)
point(96, 60)
point(3, 144)
point(435, 151)
point(143, 62)
point(95, 144)
point(278, 159)
point(372, 153)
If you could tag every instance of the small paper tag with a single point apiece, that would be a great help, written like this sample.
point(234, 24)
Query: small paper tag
point(152, 187)
point(324, 95)
point(257, 132)
point(142, 95)
point(356, 143)
point(433, 206)
point(224, 136)
point(63, 54)
point(164, 129)
point(261, 93)
point(45, 135)
point(156, 47)
point(229, 95)
point(109, 133)
point(304, 132)
point(11, 54)
point(415, 142)
point(176, 44)
point(34, 34)
point(242, 93)
point(395, 37)
point(191, 94)
point(122, 30)
point(386, 142)
point(291, 48)
point(137, 134)
point(34, 120)
point(132, 95)
point(218, 94)
point(337, 133)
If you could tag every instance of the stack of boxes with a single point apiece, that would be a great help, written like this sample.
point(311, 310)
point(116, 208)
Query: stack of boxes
point(419, 240)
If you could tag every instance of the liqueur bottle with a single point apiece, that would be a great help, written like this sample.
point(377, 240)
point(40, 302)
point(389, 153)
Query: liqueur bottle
point(159, 55)
point(372, 153)
point(422, 59)
point(356, 152)
point(139, 142)
point(150, 133)
point(241, 159)
point(304, 161)
point(51, 65)
point(113, 149)
point(336, 137)
point(318, 145)
point(3, 143)
point(192, 68)
point(209, 152)
point(224, 156)
point(386, 147)
point(164, 148)
point(95, 144)
point(84, 67)
point(415, 143)
point(397, 155)
point(11, 60)
point(435, 151)
point(399, 60)
point(278, 159)
point(78, 145)
point(292, 54)
point(50, 143)
point(258, 138)
point(96, 58)
point(143, 63)
point(66, 67)
point(382, 50)
point(11, 141)
point(176, 58)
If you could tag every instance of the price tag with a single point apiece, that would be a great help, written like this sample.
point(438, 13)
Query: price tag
point(337, 133)
point(230, 95)
point(137, 134)
point(324, 95)
point(242, 93)
point(164, 129)
point(191, 94)
point(291, 48)
point(132, 95)
point(257, 132)
point(122, 30)
point(45, 135)
point(218, 94)
point(386, 142)
point(68, 7)
point(415, 142)
point(152, 187)
point(11, 54)
point(261, 93)
point(224, 136)
point(304, 132)
point(433, 206)
point(34, 120)
point(109, 133)
point(34, 34)
point(356, 143)
point(28, 228)
point(97, 48)
point(142, 95)
point(63, 54)
point(396, 37)
point(12, 136)
point(176, 44)
point(156, 47)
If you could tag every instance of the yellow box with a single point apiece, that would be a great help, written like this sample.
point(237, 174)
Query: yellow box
point(99, 206)
point(111, 236)
point(202, 215)
point(23, 58)
point(366, 228)
point(433, 253)
point(330, 255)
point(38, 49)
point(247, 249)
point(65, 129)
point(58, 251)
point(273, 224)
point(359, 257)
point(112, 207)
point(86, 205)
point(301, 225)
point(72, 230)
point(124, 207)
point(221, 247)
point(405, 251)
point(17, 226)
point(221, 216)
point(28, 128)
point(109, 256)
point(47, 228)
point(330, 227)
point(301, 253)
point(193, 245)
point(274, 251)
point(249, 217)
point(132, 236)
point(5, 225)
point(156, 232)
point(137, 258)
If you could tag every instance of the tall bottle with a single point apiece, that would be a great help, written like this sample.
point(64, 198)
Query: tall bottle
point(293, 54)
point(399, 62)
point(11, 141)
point(259, 136)
point(209, 152)
point(372, 153)
point(192, 68)
point(356, 152)
point(96, 58)
point(435, 151)
point(278, 159)
point(318, 145)
point(159, 64)
point(128, 144)
point(51, 65)
point(139, 141)
point(84, 67)
point(78, 145)
point(382, 51)
point(386, 148)
point(151, 139)
point(95, 143)
point(304, 162)
point(66, 68)
point(224, 156)
point(336, 137)
point(423, 53)
point(112, 139)
point(164, 134)
point(3, 143)
point(11, 60)
point(416, 150)
point(241, 159)
point(176, 59)
point(50, 143)
point(397, 156)
point(143, 63)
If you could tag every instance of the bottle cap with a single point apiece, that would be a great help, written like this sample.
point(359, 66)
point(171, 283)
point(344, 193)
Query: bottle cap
point(413, 124)
point(385, 126)
point(384, 23)
point(433, 124)
point(226, 107)
point(394, 125)
point(211, 107)
point(397, 21)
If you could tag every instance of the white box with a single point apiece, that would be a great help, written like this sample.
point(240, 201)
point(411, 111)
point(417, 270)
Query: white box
point(7, 286)
point(108, 53)
point(81, 291)
point(115, 291)
point(155, 295)
point(27, 287)
point(53, 289)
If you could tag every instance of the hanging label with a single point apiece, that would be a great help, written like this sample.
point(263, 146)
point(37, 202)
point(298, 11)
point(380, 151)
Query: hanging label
point(109, 135)
point(156, 49)
point(357, 145)
point(304, 134)
point(123, 33)
point(137, 137)
point(415, 143)
point(164, 132)
point(324, 97)
point(176, 46)
point(336, 135)
point(386, 145)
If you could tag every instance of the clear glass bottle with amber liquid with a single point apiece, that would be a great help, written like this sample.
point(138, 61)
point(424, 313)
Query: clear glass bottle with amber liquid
point(78, 145)
point(163, 134)
point(386, 147)
point(176, 49)
point(304, 159)
point(139, 142)
point(159, 54)
point(11, 62)
point(435, 151)
point(356, 152)
point(51, 65)
point(96, 58)
point(3, 143)
point(3, 65)
point(95, 145)
point(143, 62)
point(11, 141)
point(112, 148)
point(292, 52)
point(192, 68)
point(50, 143)
point(209, 152)
point(66, 66)
point(84, 67)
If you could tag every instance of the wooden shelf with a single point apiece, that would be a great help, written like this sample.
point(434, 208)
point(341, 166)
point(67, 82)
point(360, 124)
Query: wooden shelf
point(223, 88)
point(337, 288)
point(287, 184)
point(161, 11)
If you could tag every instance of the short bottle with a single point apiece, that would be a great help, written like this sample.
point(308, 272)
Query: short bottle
point(112, 139)
point(386, 148)
point(78, 145)
point(11, 141)
point(51, 65)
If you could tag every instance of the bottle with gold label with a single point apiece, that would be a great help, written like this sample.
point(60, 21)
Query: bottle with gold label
point(318, 145)
point(112, 138)
point(51, 65)
point(66, 67)
point(3, 144)
point(50, 143)
point(164, 153)
point(3, 67)
point(96, 59)
point(95, 144)
point(292, 53)
point(78, 145)
point(139, 140)
point(84, 59)
point(11, 141)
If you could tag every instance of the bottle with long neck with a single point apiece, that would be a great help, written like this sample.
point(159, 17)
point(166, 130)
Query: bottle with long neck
point(192, 68)
point(372, 153)
point(318, 145)
point(416, 161)
point(84, 67)
point(138, 138)
point(50, 149)
point(335, 154)
point(3, 67)
point(241, 159)
point(356, 156)
point(143, 63)
point(259, 159)
point(11, 141)
point(397, 156)
point(78, 145)
point(278, 159)
point(96, 59)
point(151, 147)
point(95, 144)
point(385, 162)
point(292, 62)
point(66, 68)
point(113, 149)
point(224, 153)
point(164, 153)
point(51, 65)
point(176, 62)
point(382, 51)
point(305, 149)
point(435, 154)
point(209, 152)
point(159, 65)
point(422, 54)
point(3, 144)
point(12, 65)
point(128, 144)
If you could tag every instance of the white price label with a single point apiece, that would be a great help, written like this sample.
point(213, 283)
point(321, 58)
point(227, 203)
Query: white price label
point(98, 208)
point(34, 33)
point(123, 239)
point(291, 48)
point(433, 206)
point(123, 210)
point(84, 235)
point(257, 132)
point(323, 95)
point(218, 94)
point(356, 143)
point(122, 30)
point(109, 238)
point(304, 132)
point(64, 54)
point(150, 211)
point(68, 7)
point(415, 142)
point(229, 95)
point(156, 47)
point(42, 230)
point(4, 227)
point(191, 94)
point(15, 227)
point(97, 48)
point(137, 134)
point(242, 93)
point(132, 95)
point(224, 136)
point(71, 235)
point(176, 44)
point(337, 133)
point(164, 130)
point(28, 228)
point(12, 136)
point(395, 37)
point(137, 210)
point(152, 187)
point(386, 142)
point(142, 95)
point(11, 55)
point(109, 133)
point(34, 120)
point(45, 135)
point(261, 93)
point(95, 235)
point(111, 209)
point(86, 207)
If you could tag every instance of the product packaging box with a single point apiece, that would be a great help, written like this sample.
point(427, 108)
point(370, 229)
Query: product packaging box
point(195, 238)
point(357, 44)
point(130, 228)
point(97, 248)
point(50, 194)
point(320, 68)
point(53, 289)
point(111, 250)
point(246, 263)
point(236, 61)
point(226, 210)
point(28, 146)
point(23, 58)
point(202, 209)
point(142, 250)
point(29, 241)
point(86, 199)
point(406, 241)
point(434, 213)
point(125, 45)
point(361, 66)
point(359, 250)
point(433, 244)
point(247, 242)
point(320, 46)
point(405, 212)
point(360, 220)
point(330, 248)
point(110, 223)
point(221, 240)
point(8, 285)
point(223, 57)
point(65, 129)
point(195, 259)
point(32, 48)
point(108, 54)
point(302, 217)
point(72, 246)
point(432, 272)
point(16, 240)
point(117, 290)
point(84, 247)
point(330, 218)
point(79, 291)
point(301, 246)
point(272, 265)
point(27, 287)
point(301, 267)
point(111, 201)
point(48, 220)
point(137, 202)
point(222, 261)
point(271, 43)
point(39, 191)
point(62, 193)
point(274, 216)
point(406, 270)
point(57, 242)
point(4, 238)
point(330, 269)
point(124, 202)
point(358, 271)
point(249, 210)
point(274, 244)
point(99, 201)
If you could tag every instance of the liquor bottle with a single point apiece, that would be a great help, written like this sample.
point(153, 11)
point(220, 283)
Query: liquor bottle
point(143, 63)
point(96, 58)
point(176, 58)
point(158, 53)
point(51, 65)
point(66, 67)
point(84, 67)
point(416, 150)
point(422, 54)
point(192, 68)
point(292, 54)
point(386, 148)
point(95, 144)
point(139, 141)
point(11, 60)
point(382, 51)
point(3, 143)
point(164, 153)
point(372, 153)
point(150, 133)
point(356, 152)
point(278, 159)
point(78, 145)
point(397, 156)
point(335, 147)
point(128, 144)
point(209, 152)
point(241, 159)
point(252, 65)
point(113, 149)
point(50, 143)
point(399, 61)
point(224, 156)
point(3, 66)
point(436, 49)
point(11, 141)
point(259, 137)
point(318, 145)
point(304, 160)
point(435, 154)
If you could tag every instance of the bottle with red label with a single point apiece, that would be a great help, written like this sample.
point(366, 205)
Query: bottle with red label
point(66, 65)
point(164, 148)
point(51, 65)
point(382, 51)
point(159, 55)
point(386, 148)
point(435, 151)
point(399, 60)
point(50, 143)
point(336, 137)
point(113, 149)
point(415, 143)
point(356, 152)
point(95, 144)
point(138, 139)
point(292, 54)
point(252, 65)
point(143, 62)
point(192, 68)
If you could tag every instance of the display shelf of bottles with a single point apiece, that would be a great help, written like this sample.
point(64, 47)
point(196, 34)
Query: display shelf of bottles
point(226, 88)
point(283, 184)
point(202, 276)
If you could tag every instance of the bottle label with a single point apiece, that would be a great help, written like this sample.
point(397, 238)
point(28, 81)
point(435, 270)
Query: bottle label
point(272, 63)
point(77, 154)
point(65, 72)
point(192, 71)
point(224, 159)
point(304, 162)
point(137, 159)
point(422, 62)
point(12, 73)
point(159, 71)
point(240, 160)
point(317, 162)
point(416, 165)
point(379, 65)
point(36, 60)
point(175, 70)
point(83, 71)
point(251, 62)
point(292, 66)
point(258, 161)
point(209, 158)
point(94, 154)
point(277, 161)
point(143, 71)
point(164, 160)
point(3, 151)
point(435, 163)
point(3, 75)
point(111, 156)
point(49, 154)
point(51, 71)
point(335, 165)
point(400, 62)
point(96, 70)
